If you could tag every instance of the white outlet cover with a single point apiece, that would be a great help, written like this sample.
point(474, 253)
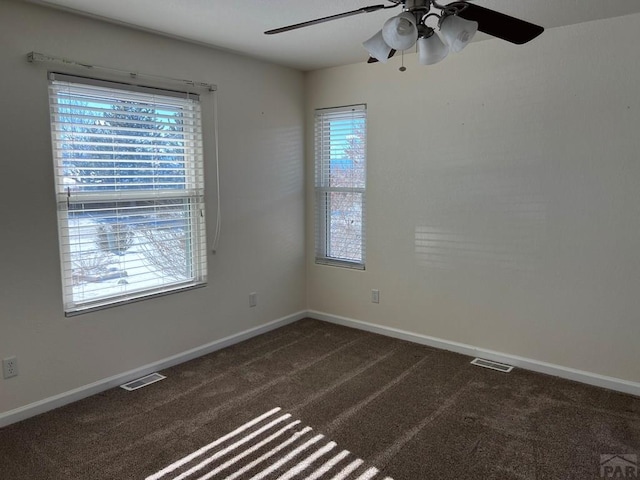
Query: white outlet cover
point(10, 367)
point(375, 296)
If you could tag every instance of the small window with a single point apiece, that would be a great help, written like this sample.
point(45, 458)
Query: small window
point(340, 182)
point(130, 191)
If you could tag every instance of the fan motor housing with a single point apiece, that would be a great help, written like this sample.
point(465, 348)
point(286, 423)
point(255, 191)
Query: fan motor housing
point(409, 4)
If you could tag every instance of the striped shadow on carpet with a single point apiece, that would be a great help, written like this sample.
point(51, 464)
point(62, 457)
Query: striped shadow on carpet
point(271, 446)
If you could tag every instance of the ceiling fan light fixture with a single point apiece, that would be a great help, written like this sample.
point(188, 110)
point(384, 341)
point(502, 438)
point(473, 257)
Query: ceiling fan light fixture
point(378, 48)
point(457, 31)
point(458, 23)
point(400, 32)
point(431, 49)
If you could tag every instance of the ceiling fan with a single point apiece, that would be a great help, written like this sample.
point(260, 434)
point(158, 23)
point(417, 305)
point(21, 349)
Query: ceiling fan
point(457, 23)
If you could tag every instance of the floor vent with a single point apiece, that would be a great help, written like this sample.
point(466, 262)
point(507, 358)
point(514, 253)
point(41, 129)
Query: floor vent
point(143, 382)
point(501, 367)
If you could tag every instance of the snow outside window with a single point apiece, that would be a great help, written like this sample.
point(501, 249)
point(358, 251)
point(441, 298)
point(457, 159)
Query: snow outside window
point(130, 191)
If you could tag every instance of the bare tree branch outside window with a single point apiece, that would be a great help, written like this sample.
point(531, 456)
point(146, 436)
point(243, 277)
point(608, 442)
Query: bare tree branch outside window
point(166, 247)
point(346, 207)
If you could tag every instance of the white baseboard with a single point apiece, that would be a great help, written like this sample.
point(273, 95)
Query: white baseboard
point(589, 378)
point(41, 406)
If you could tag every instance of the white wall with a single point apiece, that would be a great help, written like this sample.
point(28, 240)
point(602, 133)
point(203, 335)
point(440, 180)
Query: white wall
point(503, 203)
point(262, 244)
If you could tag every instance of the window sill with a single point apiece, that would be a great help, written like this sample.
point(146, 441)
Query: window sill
point(143, 296)
point(340, 263)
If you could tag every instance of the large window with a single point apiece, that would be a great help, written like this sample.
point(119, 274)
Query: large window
point(130, 191)
point(340, 181)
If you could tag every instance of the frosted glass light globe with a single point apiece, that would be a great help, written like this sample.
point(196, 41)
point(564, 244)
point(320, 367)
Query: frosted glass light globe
point(458, 32)
point(431, 50)
point(400, 32)
point(377, 47)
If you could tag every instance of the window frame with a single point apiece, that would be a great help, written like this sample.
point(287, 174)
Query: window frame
point(192, 196)
point(323, 189)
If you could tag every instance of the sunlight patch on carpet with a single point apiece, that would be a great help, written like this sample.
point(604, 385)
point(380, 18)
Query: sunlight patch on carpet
point(271, 446)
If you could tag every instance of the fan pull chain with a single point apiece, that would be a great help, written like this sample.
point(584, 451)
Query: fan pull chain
point(402, 67)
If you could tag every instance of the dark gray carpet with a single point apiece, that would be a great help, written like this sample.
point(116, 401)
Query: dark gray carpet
point(397, 409)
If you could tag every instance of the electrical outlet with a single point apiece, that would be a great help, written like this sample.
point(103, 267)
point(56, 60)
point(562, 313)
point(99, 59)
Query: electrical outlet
point(10, 367)
point(375, 295)
point(253, 299)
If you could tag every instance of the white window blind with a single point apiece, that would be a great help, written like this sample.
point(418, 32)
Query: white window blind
point(340, 183)
point(130, 191)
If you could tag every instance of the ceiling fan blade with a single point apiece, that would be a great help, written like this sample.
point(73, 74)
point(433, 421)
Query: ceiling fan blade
point(500, 25)
point(374, 60)
point(369, 9)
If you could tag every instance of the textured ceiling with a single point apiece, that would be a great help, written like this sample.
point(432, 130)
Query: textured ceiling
point(239, 25)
